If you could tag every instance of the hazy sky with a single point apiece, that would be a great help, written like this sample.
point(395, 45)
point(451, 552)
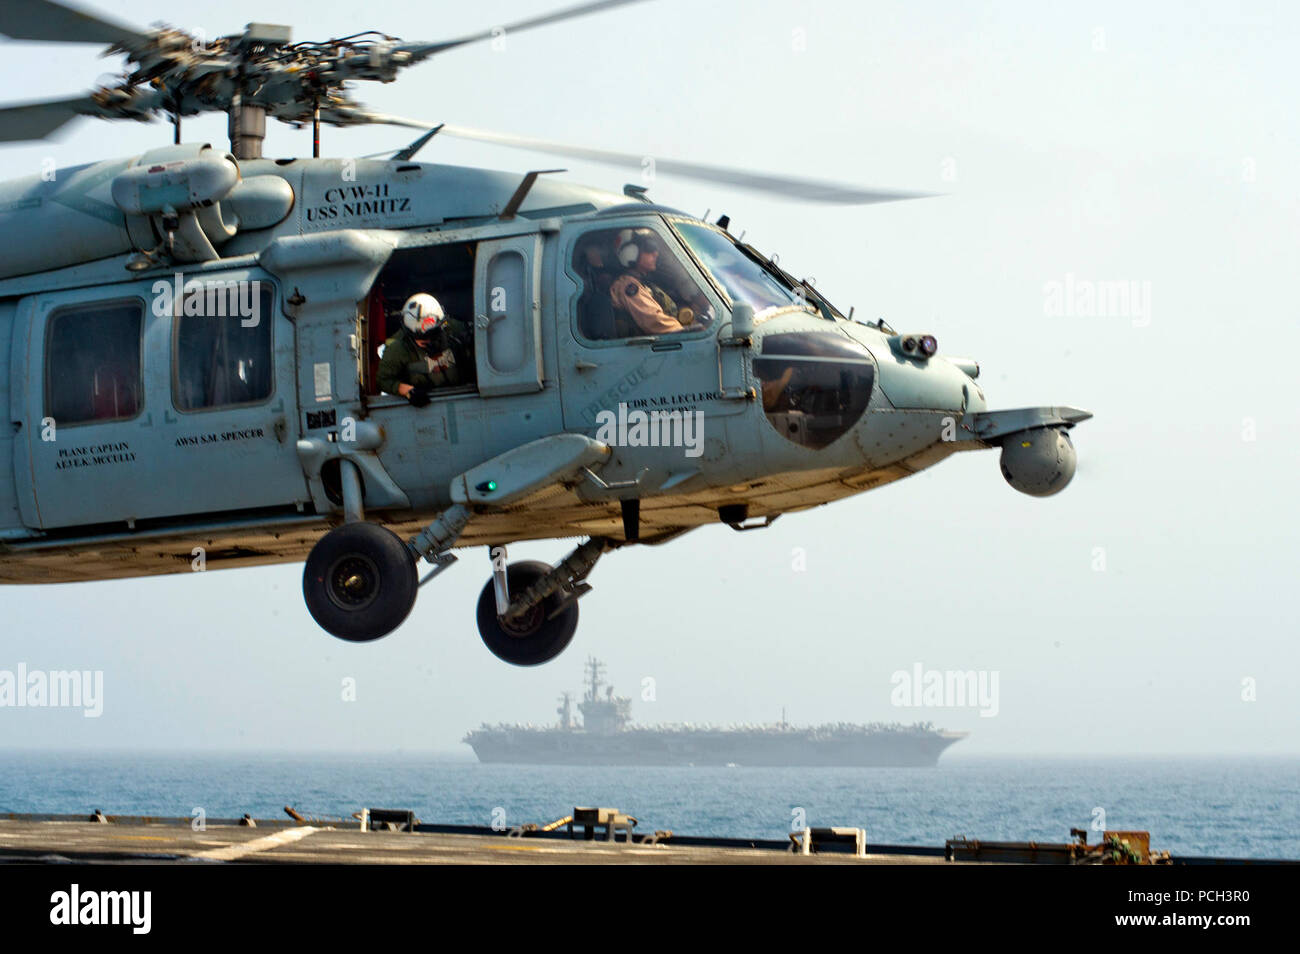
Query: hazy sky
point(1151, 143)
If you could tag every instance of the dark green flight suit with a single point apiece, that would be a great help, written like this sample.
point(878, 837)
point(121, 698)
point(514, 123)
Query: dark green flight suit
point(404, 363)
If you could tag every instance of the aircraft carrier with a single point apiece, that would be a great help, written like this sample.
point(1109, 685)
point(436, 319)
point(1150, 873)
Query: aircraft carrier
point(605, 736)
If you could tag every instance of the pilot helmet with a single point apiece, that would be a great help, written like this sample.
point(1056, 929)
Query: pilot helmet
point(632, 242)
point(422, 315)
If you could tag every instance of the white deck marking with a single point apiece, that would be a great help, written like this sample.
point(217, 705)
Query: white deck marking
point(231, 852)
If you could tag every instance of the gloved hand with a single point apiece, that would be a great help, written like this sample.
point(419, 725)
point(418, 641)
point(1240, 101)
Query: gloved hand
point(418, 397)
point(685, 316)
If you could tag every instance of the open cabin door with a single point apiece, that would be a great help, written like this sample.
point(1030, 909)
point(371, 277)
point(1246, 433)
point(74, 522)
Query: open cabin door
point(142, 404)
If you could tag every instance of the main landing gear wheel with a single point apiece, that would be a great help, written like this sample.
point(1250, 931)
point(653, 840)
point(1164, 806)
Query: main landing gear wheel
point(360, 582)
point(537, 636)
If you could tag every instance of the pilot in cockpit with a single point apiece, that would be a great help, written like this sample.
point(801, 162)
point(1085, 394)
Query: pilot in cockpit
point(638, 292)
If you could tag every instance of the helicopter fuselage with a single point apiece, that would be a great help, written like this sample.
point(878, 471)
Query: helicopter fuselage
point(189, 352)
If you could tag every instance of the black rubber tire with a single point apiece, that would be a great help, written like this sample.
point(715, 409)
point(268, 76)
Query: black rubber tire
point(537, 638)
point(385, 568)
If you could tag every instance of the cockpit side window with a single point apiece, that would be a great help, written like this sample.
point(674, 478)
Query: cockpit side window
point(633, 286)
point(92, 363)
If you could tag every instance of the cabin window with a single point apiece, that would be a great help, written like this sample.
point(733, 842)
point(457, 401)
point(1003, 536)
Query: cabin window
point(633, 285)
point(223, 346)
point(92, 363)
point(508, 306)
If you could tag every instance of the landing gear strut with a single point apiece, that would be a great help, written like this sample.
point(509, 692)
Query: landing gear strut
point(528, 611)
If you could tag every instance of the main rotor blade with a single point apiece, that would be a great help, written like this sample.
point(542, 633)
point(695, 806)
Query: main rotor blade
point(419, 51)
point(38, 120)
point(59, 23)
point(24, 121)
point(809, 190)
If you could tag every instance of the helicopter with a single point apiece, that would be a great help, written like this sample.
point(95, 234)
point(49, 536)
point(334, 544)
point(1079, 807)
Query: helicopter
point(192, 341)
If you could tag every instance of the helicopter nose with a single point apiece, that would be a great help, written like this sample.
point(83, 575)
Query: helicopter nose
point(923, 403)
point(932, 386)
point(912, 379)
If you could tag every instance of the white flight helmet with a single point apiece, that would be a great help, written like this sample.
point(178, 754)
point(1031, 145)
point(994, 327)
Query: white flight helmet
point(421, 314)
point(632, 242)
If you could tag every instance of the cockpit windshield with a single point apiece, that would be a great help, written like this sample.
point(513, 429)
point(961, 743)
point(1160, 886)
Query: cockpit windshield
point(740, 276)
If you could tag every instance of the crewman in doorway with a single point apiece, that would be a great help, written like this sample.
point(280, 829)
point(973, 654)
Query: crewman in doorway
point(421, 357)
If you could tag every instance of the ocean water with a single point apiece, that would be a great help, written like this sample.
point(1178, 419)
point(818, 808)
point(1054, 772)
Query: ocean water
point(1232, 807)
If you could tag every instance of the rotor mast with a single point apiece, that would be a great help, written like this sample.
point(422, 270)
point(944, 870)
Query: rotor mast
point(247, 129)
point(247, 119)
